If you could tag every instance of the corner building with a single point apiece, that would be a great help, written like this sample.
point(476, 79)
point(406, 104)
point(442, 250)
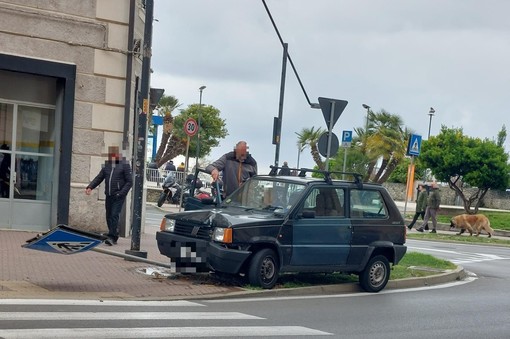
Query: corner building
point(69, 70)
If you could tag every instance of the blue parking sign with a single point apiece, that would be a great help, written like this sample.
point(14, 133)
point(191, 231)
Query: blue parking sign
point(346, 138)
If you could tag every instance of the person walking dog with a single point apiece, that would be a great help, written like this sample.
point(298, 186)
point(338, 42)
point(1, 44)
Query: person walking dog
point(433, 203)
point(421, 205)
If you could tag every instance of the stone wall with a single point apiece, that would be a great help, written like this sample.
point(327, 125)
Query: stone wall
point(493, 199)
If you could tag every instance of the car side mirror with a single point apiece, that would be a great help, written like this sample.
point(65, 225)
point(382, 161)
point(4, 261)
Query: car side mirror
point(308, 214)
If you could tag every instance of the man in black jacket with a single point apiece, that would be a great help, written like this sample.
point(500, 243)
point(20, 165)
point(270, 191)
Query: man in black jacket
point(118, 181)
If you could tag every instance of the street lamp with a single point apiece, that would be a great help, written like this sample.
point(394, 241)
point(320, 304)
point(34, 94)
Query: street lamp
point(431, 114)
point(365, 106)
point(199, 125)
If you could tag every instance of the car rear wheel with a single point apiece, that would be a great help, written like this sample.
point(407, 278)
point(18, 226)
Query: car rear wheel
point(376, 274)
point(264, 269)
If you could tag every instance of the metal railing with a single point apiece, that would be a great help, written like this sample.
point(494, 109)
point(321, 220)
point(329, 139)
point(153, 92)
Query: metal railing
point(155, 177)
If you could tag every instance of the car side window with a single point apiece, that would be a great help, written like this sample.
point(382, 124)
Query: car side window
point(367, 204)
point(326, 202)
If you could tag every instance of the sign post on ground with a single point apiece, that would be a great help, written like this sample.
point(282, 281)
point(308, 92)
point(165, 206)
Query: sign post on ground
point(346, 143)
point(331, 109)
point(413, 150)
point(190, 128)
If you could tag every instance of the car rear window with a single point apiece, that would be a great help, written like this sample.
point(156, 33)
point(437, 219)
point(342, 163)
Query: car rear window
point(367, 204)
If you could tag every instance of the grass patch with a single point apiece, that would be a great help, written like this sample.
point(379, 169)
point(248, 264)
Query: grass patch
point(482, 239)
point(411, 263)
point(499, 220)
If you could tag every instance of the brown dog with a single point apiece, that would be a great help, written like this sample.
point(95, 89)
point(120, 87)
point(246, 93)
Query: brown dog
point(471, 223)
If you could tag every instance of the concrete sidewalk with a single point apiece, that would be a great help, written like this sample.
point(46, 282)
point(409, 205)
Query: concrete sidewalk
point(26, 273)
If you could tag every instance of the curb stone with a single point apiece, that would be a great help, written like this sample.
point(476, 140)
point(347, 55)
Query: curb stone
point(449, 276)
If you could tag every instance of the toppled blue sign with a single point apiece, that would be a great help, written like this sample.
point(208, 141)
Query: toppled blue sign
point(65, 240)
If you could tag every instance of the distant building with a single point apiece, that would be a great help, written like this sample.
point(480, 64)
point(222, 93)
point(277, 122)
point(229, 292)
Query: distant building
point(68, 71)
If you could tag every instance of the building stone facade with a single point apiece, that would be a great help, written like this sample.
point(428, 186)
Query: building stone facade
point(101, 39)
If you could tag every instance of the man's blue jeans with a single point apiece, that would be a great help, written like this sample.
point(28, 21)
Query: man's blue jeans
point(113, 208)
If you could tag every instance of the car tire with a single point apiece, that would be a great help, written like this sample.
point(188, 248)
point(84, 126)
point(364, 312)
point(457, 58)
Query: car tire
point(162, 198)
point(263, 270)
point(376, 274)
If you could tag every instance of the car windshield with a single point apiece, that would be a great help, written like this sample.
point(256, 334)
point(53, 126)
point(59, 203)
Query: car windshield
point(267, 195)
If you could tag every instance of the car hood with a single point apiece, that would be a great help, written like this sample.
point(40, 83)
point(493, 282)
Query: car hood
point(232, 217)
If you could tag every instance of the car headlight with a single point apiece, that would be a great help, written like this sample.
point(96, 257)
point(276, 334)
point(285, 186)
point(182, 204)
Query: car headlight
point(222, 235)
point(167, 225)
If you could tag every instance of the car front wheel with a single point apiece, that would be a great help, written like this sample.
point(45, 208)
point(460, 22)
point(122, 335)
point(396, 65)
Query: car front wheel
point(264, 269)
point(376, 274)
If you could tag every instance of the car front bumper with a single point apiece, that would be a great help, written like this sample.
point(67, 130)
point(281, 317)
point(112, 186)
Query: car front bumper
point(198, 255)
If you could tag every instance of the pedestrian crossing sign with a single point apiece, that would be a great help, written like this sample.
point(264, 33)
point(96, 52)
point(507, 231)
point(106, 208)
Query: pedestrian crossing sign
point(65, 240)
point(414, 145)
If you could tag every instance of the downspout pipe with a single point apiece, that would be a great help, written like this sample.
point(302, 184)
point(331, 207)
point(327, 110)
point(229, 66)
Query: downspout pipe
point(129, 74)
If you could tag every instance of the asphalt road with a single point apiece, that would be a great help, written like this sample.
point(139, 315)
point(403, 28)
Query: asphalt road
point(478, 307)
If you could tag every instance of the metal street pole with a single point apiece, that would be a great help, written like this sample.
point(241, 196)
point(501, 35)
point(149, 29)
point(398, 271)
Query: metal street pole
point(330, 134)
point(199, 125)
point(365, 106)
point(141, 141)
point(280, 106)
point(431, 114)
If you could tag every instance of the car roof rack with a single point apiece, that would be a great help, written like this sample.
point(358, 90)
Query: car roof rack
point(358, 178)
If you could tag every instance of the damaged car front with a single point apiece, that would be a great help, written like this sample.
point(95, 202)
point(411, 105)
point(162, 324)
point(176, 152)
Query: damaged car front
point(223, 239)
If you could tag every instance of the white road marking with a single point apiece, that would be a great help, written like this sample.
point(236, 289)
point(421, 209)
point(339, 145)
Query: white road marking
point(52, 316)
point(161, 332)
point(73, 302)
point(462, 257)
point(347, 295)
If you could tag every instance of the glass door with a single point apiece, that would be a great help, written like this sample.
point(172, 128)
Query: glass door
point(27, 138)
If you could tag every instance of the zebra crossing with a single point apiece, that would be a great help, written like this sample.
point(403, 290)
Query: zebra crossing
point(475, 257)
point(58, 319)
point(460, 258)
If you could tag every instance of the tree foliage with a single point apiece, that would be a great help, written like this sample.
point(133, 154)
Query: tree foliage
point(458, 159)
point(375, 151)
point(310, 138)
point(399, 175)
point(174, 139)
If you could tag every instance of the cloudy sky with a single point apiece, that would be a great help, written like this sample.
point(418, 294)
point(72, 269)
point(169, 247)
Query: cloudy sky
point(399, 55)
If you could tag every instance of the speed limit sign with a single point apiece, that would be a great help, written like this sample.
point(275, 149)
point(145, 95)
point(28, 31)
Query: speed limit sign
point(191, 127)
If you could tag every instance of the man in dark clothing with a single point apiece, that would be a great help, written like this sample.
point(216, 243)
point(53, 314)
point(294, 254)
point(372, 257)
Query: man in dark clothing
point(433, 203)
point(237, 166)
point(5, 169)
point(421, 205)
point(170, 166)
point(118, 181)
point(285, 170)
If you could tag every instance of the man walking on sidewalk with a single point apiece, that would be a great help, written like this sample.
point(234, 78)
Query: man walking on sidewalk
point(433, 203)
point(421, 205)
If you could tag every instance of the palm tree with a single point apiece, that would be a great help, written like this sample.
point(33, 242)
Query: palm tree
point(165, 107)
point(386, 143)
point(310, 137)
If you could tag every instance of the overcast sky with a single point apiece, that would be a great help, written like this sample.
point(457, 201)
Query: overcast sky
point(399, 55)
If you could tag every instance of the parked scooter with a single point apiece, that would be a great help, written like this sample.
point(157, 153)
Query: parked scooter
point(171, 191)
